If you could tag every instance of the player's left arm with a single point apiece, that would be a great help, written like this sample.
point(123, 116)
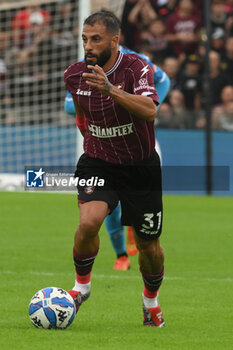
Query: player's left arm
point(139, 105)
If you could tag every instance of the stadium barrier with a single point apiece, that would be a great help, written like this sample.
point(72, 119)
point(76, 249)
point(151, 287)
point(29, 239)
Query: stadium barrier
point(182, 153)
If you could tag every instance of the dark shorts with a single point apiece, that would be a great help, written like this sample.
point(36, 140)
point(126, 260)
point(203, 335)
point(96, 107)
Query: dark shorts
point(137, 187)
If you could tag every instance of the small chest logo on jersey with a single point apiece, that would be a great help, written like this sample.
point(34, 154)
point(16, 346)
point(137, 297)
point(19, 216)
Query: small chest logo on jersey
point(144, 70)
point(83, 92)
point(143, 81)
point(35, 178)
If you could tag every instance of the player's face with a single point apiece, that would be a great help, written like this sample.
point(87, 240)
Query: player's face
point(97, 44)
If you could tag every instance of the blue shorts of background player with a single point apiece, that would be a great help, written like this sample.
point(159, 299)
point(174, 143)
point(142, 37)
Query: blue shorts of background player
point(113, 221)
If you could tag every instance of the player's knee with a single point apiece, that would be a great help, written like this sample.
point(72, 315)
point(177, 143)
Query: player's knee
point(89, 227)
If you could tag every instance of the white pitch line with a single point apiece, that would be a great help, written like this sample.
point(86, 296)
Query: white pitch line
point(120, 277)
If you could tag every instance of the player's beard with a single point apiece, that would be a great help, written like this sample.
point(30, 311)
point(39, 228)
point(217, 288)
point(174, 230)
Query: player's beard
point(101, 59)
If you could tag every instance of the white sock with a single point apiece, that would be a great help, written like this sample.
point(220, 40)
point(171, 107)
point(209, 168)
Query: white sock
point(150, 302)
point(83, 288)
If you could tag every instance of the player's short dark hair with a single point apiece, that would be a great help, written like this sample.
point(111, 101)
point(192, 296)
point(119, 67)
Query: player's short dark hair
point(107, 18)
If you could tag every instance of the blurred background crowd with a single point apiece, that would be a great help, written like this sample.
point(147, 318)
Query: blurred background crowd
point(38, 42)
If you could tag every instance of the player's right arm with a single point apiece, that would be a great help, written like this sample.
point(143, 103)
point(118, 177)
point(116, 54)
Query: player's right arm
point(80, 117)
point(69, 106)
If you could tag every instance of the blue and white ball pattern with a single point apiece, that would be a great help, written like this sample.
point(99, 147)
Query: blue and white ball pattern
point(52, 307)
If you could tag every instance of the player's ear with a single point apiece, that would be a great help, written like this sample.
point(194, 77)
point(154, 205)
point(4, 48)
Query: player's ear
point(115, 41)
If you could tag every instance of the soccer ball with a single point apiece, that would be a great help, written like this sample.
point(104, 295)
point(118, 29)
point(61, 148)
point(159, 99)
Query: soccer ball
point(52, 308)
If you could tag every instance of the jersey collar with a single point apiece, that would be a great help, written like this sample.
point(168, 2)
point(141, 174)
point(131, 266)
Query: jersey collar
point(118, 61)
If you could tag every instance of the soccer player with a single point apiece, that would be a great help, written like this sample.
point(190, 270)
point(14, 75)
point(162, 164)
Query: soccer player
point(113, 221)
point(115, 95)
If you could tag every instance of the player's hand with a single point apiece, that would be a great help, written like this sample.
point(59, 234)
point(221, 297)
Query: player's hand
point(97, 79)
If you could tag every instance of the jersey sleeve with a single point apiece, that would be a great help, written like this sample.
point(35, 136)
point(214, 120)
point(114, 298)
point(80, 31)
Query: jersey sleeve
point(71, 77)
point(143, 83)
point(69, 81)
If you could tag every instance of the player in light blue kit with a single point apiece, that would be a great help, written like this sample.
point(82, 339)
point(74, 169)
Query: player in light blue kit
point(113, 221)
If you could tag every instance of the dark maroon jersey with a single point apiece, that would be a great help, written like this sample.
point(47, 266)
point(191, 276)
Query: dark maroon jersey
point(114, 134)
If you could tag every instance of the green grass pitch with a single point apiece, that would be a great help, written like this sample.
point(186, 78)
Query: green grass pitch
point(36, 239)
